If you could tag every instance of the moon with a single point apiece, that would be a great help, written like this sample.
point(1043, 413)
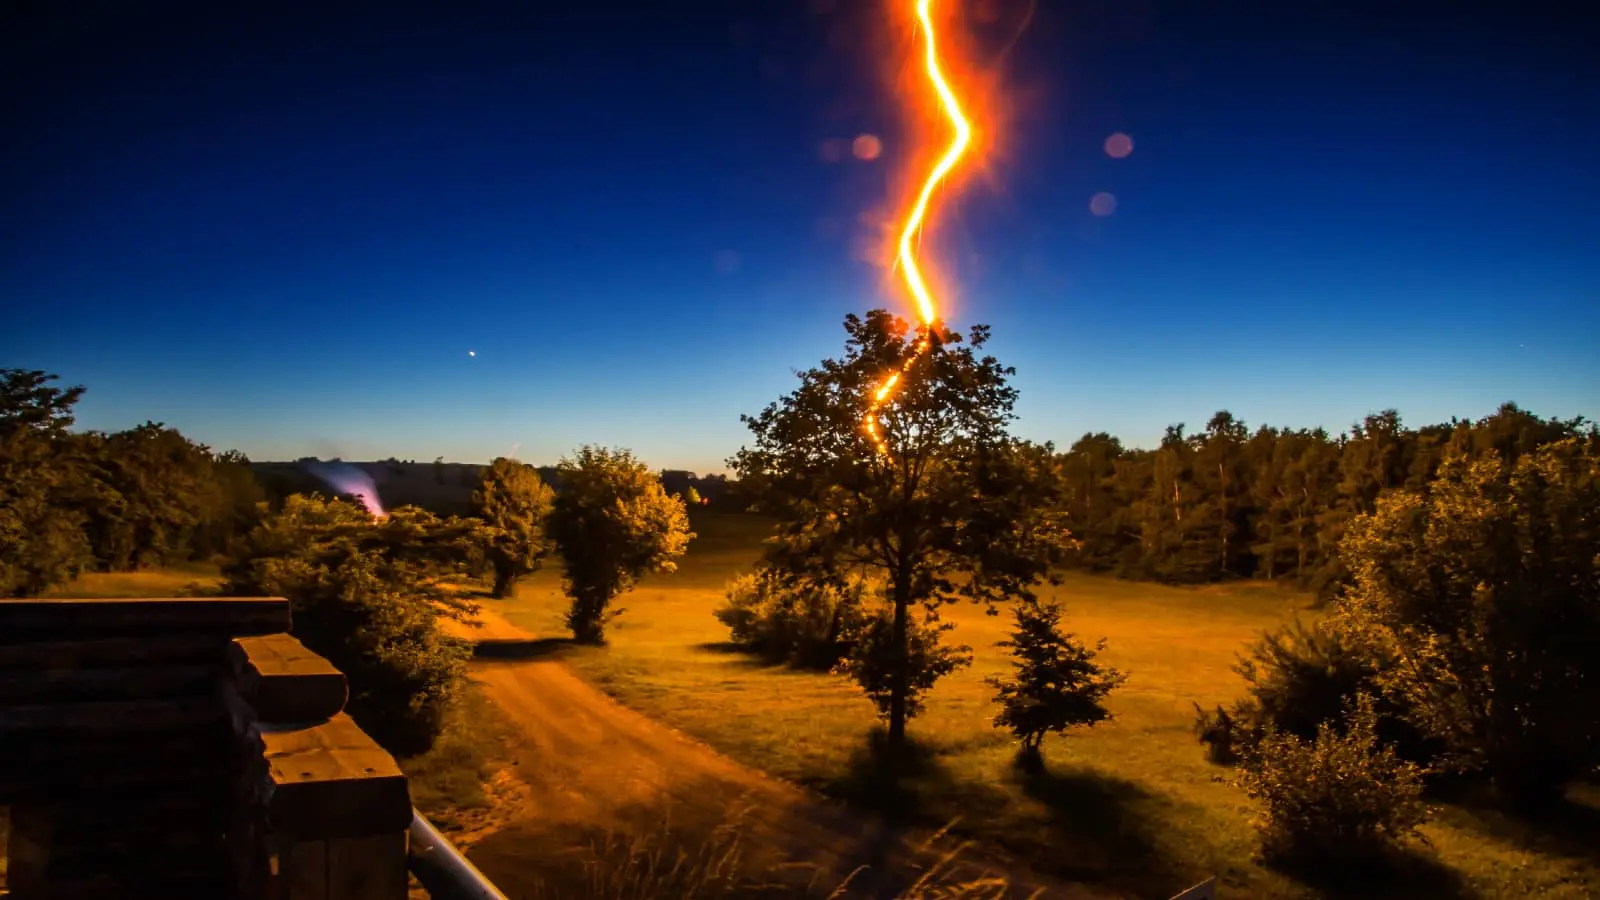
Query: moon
point(472, 353)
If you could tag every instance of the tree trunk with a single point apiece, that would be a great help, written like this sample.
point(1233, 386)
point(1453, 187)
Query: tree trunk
point(587, 619)
point(898, 675)
point(504, 582)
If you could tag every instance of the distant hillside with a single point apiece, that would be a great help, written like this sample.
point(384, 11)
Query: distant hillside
point(442, 487)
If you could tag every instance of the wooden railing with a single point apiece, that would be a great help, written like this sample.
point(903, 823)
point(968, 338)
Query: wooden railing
point(191, 747)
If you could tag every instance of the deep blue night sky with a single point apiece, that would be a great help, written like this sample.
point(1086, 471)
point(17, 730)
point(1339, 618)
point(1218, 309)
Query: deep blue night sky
point(283, 230)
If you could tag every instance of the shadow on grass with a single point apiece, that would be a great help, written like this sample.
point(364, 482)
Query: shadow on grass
point(535, 648)
point(699, 843)
point(743, 657)
point(1569, 828)
point(1400, 874)
point(1094, 828)
point(1099, 828)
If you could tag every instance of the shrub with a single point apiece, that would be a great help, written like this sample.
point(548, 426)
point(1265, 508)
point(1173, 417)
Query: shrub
point(1300, 677)
point(366, 595)
point(811, 626)
point(1223, 734)
point(1338, 797)
point(1057, 683)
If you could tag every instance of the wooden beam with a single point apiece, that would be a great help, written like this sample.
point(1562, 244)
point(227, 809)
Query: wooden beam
point(53, 686)
point(284, 682)
point(333, 781)
point(108, 720)
point(116, 652)
point(27, 621)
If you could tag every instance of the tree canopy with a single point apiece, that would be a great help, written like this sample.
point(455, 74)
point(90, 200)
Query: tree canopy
point(956, 508)
point(513, 504)
point(366, 593)
point(612, 522)
point(1480, 599)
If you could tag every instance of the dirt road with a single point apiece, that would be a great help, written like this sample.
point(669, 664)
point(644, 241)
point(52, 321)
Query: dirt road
point(593, 767)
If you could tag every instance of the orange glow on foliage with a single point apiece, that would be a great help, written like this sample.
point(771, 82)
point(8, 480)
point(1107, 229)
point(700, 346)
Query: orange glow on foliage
point(912, 229)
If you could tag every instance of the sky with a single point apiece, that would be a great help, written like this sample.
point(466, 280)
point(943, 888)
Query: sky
point(478, 229)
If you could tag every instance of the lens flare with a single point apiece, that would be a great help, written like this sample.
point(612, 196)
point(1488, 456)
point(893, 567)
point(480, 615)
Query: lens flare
point(912, 229)
point(349, 481)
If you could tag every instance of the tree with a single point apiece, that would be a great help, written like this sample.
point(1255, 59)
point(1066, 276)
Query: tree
point(367, 594)
point(237, 505)
point(513, 504)
point(1482, 599)
point(1057, 684)
point(153, 490)
point(42, 543)
point(611, 523)
point(29, 402)
point(955, 508)
point(895, 673)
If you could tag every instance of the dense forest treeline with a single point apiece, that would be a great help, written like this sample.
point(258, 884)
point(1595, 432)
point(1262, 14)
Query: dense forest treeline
point(1228, 502)
point(77, 501)
point(1225, 502)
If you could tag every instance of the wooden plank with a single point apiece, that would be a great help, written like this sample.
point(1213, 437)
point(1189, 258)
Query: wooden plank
point(332, 780)
point(368, 868)
point(25, 621)
point(303, 871)
point(43, 781)
point(56, 686)
point(285, 682)
point(143, 815)
point(110, 719)
point(117, 652)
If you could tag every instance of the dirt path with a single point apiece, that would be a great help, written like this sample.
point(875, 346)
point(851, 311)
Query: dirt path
point(595, 767)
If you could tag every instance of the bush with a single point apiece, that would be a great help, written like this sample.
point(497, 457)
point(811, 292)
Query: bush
point(1299, 678)
point(1057, 683)
point(366, 595)
point(809, 626)
point(1338, 797)
point(1224, 735)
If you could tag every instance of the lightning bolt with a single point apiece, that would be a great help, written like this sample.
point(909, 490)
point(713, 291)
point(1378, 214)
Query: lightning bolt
point(912, 229)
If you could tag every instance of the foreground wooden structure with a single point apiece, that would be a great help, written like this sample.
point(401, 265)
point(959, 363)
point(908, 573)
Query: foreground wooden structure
point(187, 748)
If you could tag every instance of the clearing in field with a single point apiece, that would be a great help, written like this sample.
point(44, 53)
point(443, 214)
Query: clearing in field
point(1131, 805)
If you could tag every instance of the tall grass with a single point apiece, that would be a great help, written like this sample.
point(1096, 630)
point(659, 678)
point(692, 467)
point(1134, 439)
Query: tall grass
point(657, 865)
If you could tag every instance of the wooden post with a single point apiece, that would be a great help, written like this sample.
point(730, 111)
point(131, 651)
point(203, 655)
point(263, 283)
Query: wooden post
point(339, 806)
point(114, 750)
point(146, 752)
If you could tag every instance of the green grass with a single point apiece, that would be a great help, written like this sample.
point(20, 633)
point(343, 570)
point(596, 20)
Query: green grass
point(174, 581)
point(449, 782)
point(1131, 805)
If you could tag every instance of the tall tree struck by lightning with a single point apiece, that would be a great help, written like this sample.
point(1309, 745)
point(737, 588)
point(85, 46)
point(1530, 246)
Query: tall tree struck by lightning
point(912, 229)
point(943, 505)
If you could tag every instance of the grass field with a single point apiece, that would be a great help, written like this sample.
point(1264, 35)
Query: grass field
point(1132, 804)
